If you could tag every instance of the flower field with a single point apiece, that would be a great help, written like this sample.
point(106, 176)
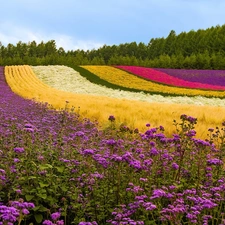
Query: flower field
point(58, 167)
point(165, 78)
point(24, 82)
point(67, 79)
point(125, 79)
point(202, 76)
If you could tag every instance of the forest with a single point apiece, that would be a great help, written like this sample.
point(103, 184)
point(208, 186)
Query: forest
point(201, 49)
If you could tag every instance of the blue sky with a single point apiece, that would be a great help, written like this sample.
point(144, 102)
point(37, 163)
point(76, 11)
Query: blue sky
point(89, 24)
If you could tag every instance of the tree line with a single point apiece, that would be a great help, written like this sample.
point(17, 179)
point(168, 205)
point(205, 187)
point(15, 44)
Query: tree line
point(201, 49)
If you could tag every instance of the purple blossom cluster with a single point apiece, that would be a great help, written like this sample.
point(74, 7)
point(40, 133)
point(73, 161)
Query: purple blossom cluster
point(14, 212)
point(75, 173)
point(55, 219)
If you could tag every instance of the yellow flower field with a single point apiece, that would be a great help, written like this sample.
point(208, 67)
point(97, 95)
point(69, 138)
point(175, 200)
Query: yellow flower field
point(135, 114)
point(125, 79)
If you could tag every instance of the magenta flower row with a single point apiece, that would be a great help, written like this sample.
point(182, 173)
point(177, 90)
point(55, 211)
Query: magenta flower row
point(164, 78)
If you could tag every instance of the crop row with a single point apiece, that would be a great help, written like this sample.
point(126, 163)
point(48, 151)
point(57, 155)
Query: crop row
point(164, 78)
point(125, 79)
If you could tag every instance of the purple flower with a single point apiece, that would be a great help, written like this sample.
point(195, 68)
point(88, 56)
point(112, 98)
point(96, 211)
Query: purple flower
point(2, 171)
point(25, 211)
point(192, 120)
point(28, 125)
point(161, 128)
point(18, 150)
point(154, 151)
point(60, 222)
point(48, 222)
point(40, 157)
point(111, 142)
point(149, 206)
point(9, 214)
point(79, 134)
point(214, 161)
point(31, 130)
point(144, 179)
point(191, 133)
point(88, 152)
point(175, 166)
point(158, 193)
point(18, 191)
point(55, 215)
point(136, 164)
point(111, 118)
point(87, 223)
point(16, 160)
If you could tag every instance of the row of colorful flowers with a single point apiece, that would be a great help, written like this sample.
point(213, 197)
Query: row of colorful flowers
point(67, 79)
point(125, 79)
point(164, 78)
point(212, 77)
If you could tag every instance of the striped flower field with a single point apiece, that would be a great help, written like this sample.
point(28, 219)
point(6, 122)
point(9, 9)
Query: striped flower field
point(125, 79)
point(58, 167)
point(67, 79)
point(24, 82)
point(165, 78)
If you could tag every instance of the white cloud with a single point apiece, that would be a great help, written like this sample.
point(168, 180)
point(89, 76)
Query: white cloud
point(10, 33)
point(69, 43)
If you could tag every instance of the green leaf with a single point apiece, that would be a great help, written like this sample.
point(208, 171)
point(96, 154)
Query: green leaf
point(43, 184)
point(36, 208)
point(60, 169)
point(45, 166)
point(51, 200)
point(38, 218)
point(31, 177)
point(150, 222)
point(41, 195)
point(42, 209)
point(63, 213)
point(64, 188)
point(29, 197)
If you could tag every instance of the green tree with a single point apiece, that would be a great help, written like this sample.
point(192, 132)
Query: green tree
point(164, 61)
point(170, 43)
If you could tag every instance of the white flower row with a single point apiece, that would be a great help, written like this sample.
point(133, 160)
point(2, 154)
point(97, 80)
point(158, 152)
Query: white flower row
point(67, 79)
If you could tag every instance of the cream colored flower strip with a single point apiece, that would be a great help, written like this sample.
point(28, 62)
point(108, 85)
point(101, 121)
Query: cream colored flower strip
point(67, 79)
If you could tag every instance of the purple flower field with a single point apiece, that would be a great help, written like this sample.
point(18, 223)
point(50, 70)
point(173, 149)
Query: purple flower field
point(213, 77)
point(56, 168)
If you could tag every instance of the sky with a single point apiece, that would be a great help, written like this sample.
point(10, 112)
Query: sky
point(90, 24)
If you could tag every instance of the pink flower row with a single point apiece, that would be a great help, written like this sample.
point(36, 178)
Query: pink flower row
point(161, 77)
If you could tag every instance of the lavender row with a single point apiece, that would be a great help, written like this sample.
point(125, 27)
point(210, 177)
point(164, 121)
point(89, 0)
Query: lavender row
point(213, 77)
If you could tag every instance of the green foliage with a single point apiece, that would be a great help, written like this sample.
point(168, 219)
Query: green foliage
point(201, 49)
